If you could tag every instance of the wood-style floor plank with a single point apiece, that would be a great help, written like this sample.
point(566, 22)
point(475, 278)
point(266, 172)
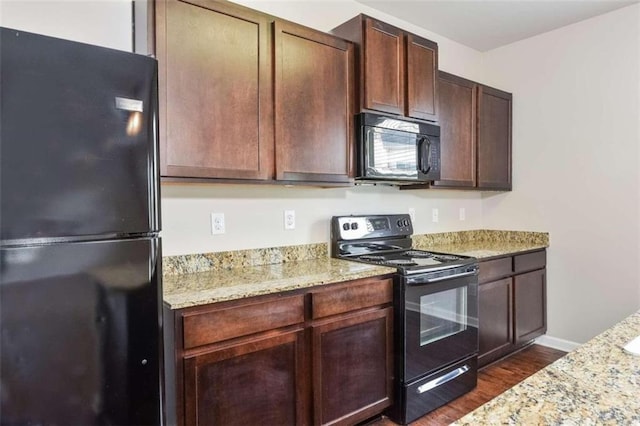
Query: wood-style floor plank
point(492, 381)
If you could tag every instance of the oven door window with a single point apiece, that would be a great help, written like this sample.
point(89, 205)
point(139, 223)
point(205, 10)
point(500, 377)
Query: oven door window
point(390, 153)
point(442, 315)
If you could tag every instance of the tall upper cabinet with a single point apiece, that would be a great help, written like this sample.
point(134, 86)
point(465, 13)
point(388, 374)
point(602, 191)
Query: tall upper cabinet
point(475, 135)
point(398, 70)
point(246, 96)
point(215, 90)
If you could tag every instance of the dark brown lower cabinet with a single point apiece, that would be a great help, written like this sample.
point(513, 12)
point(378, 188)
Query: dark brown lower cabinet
point(312, 356)
point(530, 305)
point(512, 304)
point(251, 383)
point(352, 367)
point(495, 318)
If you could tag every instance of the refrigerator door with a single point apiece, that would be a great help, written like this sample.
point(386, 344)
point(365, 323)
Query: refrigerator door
point(81, 333)
point(78, 131)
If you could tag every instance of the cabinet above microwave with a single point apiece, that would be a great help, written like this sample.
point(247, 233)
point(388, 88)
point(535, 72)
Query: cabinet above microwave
point(398, 70)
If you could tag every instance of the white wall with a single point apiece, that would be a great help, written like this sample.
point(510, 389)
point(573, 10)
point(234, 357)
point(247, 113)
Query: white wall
point(102, 22)
point(575, 161)
point(576, 156)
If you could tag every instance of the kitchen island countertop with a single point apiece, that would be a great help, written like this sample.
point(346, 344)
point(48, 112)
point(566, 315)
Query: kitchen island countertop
point(597, 384)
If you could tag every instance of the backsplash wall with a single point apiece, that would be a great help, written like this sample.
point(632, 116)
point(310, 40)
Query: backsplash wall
point(254, 214)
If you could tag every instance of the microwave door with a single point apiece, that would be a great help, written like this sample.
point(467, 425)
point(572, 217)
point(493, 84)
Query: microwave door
point(389, 154)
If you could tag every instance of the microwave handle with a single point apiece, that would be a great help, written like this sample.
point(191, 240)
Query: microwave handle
point(424, 147)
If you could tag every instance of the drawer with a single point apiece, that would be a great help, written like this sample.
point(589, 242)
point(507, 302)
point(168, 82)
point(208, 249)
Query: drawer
point(351, 297)
point(494, 269)
point(530, 261)
point(202, 328)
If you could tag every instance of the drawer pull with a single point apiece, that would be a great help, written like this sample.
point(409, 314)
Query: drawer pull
point(443, 379)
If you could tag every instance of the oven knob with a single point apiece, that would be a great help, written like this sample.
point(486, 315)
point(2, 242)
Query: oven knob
point(354, 225)
point(406, 222)
point(400, 223)
point(345, 226)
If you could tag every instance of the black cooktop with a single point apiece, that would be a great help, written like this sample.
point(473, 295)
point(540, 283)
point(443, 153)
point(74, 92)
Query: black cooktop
point(386, 240)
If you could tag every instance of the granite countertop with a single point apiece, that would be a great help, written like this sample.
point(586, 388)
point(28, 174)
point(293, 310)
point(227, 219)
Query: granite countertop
point(197, 279)
point(597, 384)
point(199, 288)
point(482, 244)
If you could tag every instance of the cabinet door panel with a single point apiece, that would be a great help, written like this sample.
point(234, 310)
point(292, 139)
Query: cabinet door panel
point(215, 91)
point(422, 69)
point(495, 319)
point(530, 305)
point(253, 383)
point(352, 365)
point(384, 68)
point(494, 139)
point(314, 84)
point(457, 113)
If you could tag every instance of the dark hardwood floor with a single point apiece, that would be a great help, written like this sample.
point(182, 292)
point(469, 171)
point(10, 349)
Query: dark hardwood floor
point(492, 381)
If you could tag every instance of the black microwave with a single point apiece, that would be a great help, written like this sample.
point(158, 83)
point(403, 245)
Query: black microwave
point(397, 151)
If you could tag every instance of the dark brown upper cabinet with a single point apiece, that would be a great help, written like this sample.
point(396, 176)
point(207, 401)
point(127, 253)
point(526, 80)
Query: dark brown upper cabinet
point(245, 96)
point(215, 91)
point(475, 135)
point(314, 79)
point(494, 138)
point(398, 70)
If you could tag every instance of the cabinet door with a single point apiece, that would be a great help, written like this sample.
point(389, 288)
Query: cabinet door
point(494, 139)
point(260, 382)
point(215, 91)
point(457, 101)
point(313, 101)
point(422, 72)
point(384, 67)
point(495, 319)
point(530, 304)
point(352, 367)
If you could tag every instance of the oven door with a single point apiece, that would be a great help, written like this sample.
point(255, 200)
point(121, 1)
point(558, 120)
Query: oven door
point(440, 321)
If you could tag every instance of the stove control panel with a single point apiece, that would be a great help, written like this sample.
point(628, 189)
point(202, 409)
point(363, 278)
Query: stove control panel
point(374, 226)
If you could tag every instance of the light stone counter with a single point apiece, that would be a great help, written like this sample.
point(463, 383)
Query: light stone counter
point(197, 279)
point(192, 289)
point(597, 384)
point(482, 244)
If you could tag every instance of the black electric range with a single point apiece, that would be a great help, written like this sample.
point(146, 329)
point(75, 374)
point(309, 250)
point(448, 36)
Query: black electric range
point(435, 303)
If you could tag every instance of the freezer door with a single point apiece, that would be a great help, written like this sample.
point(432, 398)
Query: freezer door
point(81, 334)
point(78, 131)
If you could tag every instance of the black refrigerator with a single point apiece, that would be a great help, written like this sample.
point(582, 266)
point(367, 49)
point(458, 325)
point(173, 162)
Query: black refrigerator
point(80, 255)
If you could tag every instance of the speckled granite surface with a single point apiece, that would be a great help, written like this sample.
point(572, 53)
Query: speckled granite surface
point(192, 263)
point(181, 291)
point(197, 279)
point(482, 243)
point(597, 384)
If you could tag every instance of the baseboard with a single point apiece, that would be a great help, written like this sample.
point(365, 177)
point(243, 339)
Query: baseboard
point(555, 343)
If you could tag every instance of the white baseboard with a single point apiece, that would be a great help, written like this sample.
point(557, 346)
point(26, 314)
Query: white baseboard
point(555, 343)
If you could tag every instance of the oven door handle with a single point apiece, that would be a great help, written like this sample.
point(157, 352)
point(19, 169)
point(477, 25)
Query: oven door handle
point(443, 379)
point(418, 280)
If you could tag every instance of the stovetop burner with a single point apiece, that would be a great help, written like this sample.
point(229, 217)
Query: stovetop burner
point(386, 240)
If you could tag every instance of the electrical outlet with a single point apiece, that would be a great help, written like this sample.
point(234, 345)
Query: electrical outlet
point(434, 215)
point(289, 219)
point(412, 215)
point(462, 214)
point(217, 223)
